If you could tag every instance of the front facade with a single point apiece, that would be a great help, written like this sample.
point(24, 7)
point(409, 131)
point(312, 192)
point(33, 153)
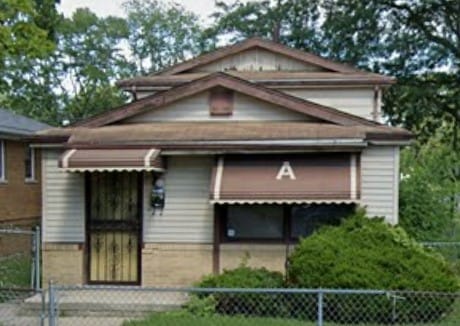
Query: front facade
point(229, 157)
point(20, 172)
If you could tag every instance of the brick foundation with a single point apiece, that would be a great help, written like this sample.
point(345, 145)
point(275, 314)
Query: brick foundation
point(165, 264)
point(272, 257)
point(175, 264)
point(63, 263)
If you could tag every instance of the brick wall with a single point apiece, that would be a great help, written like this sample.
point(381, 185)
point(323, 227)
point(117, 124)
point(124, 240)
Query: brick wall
point(164, 264)
point(270, 256)
point(63, 263)
point(178, 264)
point(20, 201)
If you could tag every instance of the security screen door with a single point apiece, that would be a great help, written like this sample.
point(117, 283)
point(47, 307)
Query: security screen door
point(114, 210)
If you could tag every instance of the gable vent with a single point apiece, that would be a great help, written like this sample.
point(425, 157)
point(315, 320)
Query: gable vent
point(221, 102)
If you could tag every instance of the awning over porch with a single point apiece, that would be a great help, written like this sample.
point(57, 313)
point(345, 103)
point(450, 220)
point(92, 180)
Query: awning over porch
point(279, 179)
point(81, 160)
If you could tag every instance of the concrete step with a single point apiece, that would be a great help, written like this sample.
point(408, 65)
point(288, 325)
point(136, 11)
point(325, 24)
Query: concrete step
point(105, 303)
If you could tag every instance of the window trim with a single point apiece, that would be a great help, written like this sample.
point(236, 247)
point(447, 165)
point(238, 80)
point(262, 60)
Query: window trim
point(33, 174)
point(3, 178)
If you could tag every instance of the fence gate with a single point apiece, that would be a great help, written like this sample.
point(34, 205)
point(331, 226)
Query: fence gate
point(114, 208)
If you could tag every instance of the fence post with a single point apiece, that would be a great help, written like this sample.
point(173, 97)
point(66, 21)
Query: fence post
point(320, 307)
point(51, 305)
point(43, 308)
point(37, 255)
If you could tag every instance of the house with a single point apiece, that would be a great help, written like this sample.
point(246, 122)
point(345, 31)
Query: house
point(20, 189)
point(234, 153)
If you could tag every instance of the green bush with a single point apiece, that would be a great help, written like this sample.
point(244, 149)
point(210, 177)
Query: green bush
point(365, 253)
point(249, 304)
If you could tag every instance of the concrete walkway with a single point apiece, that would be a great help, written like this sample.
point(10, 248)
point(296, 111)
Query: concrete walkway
point(91, 307)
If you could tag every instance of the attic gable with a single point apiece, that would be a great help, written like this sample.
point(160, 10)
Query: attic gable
point(257, 54)
point(219, 104)
point(257, 59)
point(222, 80)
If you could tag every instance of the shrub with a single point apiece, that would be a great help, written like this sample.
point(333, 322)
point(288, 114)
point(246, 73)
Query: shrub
point(248, 304)
point(366, 253)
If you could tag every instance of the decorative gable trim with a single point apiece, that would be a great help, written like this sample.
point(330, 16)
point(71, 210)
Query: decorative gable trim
point(271, 46)
point(223, 80)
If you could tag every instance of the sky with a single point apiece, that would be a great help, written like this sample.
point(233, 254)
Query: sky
point(113, 7)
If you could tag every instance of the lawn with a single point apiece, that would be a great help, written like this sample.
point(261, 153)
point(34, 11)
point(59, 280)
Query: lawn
point(15, 271)
point(183, 319)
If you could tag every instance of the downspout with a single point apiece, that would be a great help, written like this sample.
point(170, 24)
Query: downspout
point(377, 109)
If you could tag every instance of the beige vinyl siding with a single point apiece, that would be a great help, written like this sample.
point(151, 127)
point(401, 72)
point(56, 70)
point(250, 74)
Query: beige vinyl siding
point(188, 215)
point(196, 108)
point(357, 101)
point(63, 201)
point(257, 60)
point(380, 181)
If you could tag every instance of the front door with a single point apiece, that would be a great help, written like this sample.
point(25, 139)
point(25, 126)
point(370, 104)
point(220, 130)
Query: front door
point(114, 210)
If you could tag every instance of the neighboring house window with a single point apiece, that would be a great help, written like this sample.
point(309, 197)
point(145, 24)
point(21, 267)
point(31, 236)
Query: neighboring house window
point(279, 222)
point(30, 164)
point(2, 161)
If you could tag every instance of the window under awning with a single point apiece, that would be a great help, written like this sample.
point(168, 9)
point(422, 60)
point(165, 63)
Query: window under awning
point(279, 179)
point(92, 160)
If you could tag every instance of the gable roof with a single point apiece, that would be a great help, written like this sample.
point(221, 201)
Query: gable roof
point(221, 79)
point(271, 46)
point(18, 125)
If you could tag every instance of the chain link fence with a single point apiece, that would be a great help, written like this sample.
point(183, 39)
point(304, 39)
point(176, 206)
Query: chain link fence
point(19, 276)
point(136, 306)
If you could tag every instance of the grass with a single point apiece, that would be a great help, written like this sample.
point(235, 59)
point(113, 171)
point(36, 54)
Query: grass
point(183, 319)
point(15, 271)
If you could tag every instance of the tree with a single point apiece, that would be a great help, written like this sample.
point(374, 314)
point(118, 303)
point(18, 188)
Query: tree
point(19, 33)
point(92, 57)
point(416, 41)
point(161, 35)
point(429, 192)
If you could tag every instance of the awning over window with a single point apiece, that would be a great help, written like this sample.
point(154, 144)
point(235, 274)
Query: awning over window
point(80, 160)
point(303, 178)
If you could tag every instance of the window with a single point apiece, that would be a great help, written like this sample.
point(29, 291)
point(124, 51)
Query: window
point(305, 219)
point(280, 223)
point(256, 222)
point(2, 161)
point(29, 164)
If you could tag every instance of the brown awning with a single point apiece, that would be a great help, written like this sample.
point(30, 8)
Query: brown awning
point(79, 160)
point(305, 178)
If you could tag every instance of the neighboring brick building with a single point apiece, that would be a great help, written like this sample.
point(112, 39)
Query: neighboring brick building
point(20, 171)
